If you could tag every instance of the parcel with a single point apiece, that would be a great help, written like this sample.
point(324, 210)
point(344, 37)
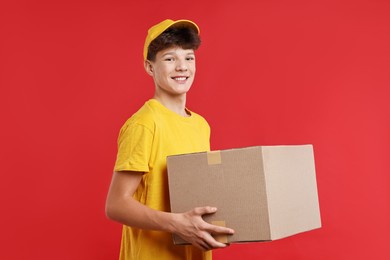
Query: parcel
point(262, 192)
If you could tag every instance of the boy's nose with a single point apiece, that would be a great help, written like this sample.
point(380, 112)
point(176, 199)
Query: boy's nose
point(181, 65)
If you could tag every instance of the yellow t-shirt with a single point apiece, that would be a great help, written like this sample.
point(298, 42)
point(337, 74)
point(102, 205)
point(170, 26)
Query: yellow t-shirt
point(144, 142)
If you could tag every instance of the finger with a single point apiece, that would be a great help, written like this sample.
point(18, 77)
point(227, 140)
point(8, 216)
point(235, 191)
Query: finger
point(213, 229)
point(205, 246)
point(212, 243)
point(202, 244)
point(204, 210)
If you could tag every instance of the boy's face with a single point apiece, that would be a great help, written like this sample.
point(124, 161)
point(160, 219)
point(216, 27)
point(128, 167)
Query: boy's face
point(173, 71)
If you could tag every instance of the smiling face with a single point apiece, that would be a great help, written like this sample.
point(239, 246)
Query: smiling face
point(173, 71)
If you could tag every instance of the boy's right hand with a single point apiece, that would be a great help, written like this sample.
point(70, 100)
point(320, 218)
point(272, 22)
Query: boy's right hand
point(191, 227)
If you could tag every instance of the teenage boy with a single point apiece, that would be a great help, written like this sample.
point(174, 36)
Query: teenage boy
point(138, 195)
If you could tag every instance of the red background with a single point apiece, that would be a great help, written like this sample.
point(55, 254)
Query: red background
point(269, 72)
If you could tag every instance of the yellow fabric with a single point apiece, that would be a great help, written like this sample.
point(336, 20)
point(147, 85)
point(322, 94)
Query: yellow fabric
point(144, 142)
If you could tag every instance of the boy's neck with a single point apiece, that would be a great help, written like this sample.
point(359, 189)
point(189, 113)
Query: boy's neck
point(177, 103)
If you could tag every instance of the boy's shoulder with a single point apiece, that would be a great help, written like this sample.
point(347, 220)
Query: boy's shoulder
point(144, 115)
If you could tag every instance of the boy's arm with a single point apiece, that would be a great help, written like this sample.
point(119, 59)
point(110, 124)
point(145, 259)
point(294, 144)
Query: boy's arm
point(122, 207)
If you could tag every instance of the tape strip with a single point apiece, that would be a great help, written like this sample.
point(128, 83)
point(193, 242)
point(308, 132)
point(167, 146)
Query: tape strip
point(214, 157)
point(220, 238)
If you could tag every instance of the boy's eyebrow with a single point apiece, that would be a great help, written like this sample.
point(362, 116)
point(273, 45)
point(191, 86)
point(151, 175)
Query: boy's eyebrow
point(173, 53)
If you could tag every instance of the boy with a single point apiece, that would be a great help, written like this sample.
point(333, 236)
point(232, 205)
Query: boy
point(138, 195)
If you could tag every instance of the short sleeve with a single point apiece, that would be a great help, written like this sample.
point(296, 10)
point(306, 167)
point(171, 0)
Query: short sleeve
point(134, 148)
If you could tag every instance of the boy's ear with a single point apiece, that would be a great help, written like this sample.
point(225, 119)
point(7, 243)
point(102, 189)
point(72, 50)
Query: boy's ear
point(148, 67)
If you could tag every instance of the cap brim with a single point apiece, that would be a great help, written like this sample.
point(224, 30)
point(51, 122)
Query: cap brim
point(185, 23)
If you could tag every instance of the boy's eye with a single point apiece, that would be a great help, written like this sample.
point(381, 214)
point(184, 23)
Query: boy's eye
point(190, 58)
point(169, 59)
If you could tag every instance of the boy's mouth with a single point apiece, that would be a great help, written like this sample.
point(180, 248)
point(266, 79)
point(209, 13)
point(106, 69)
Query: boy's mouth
point(180, 78)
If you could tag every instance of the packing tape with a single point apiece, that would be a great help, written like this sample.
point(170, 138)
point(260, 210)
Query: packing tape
point(214, 157)
point(220, 238)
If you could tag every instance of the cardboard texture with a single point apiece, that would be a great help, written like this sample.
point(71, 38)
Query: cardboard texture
point(262, 192)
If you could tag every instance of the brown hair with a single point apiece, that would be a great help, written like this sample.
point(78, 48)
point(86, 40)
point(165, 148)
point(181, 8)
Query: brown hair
point(179, 36)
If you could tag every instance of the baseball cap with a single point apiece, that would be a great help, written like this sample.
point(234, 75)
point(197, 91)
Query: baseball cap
point(159, 28)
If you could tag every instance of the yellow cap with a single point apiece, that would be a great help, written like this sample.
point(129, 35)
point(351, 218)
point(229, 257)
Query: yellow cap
point(159, 28)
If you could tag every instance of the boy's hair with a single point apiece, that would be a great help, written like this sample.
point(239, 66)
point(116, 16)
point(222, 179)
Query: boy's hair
point(179, 36)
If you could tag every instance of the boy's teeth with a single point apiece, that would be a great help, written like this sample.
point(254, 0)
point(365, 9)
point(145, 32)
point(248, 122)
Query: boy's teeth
point(180, 78)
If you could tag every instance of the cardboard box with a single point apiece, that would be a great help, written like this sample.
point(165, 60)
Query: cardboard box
point(263, 192)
